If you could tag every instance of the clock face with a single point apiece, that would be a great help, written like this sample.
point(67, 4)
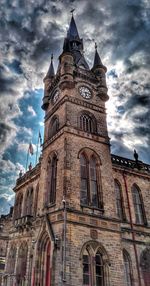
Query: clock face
point(55, 96)
point(85, 92)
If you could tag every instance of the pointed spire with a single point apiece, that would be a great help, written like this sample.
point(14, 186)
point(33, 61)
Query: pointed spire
point(51, 72)
point(97, 60)
point(72, 33)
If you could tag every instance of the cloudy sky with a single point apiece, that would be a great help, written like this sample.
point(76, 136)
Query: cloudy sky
point(30, 31)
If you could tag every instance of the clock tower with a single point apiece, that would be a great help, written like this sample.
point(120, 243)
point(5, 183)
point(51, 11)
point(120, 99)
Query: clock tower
point(77, 172)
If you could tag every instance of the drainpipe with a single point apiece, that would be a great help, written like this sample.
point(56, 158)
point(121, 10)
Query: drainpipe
point(64, 237)
point(132, 229)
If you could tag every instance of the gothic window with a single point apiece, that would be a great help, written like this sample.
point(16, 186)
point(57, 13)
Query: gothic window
point(51, 180)
point(86, 268)
point(95, 268)
point(54, 126)
point(28, 207)
point(11, 260)
point(145, 266)
point(138, 205)
point(18, 206)
point(84, 180)
point(90, 193)
point(127, 269)
point(22, 263)
point(93, 182)
point(87, 123)
point(119, 200)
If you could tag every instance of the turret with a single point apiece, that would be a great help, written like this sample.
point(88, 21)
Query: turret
point(99, 70)
point(48, 79)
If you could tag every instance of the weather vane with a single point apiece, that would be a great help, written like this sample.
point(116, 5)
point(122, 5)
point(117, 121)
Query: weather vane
point(72, 11)
point(52, 56)
point(95, 45)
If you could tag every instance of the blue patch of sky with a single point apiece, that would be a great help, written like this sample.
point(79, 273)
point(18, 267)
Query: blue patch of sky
point(28, 121)
point(14, 66)
point(112, 73)
point(120, 109)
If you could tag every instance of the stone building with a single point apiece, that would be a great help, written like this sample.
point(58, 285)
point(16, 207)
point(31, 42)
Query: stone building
point(5, 226)
point(81, 216)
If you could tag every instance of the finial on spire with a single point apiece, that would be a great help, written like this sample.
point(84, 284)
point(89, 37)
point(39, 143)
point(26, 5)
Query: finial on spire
point(95, 46)
point(72, 11)
point(52, 56)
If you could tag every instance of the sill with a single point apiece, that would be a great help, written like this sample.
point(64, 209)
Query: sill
point(92, 208)
point(141, 224)
point(50, 205)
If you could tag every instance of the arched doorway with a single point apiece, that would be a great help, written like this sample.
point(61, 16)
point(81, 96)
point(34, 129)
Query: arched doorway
point(145, 266)
point(42, 269)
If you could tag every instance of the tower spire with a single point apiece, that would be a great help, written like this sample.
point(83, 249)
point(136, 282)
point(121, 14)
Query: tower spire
point(97, 59)
point(51, 72)
point(72, 33)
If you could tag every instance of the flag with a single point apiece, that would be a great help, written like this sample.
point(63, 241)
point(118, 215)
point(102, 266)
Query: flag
point(40, 138)
point(31, 151)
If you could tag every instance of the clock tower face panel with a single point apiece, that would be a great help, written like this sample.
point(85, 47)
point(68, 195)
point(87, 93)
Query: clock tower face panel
point(85, 92)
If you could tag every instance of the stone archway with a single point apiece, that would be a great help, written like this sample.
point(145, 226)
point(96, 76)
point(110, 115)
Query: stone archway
point(43, 270)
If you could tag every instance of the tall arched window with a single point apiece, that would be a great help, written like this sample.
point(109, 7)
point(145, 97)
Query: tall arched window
point(90, 194)
point(18, 206)
point(87, 123)
point(93, 182)
point(84, 180)
point(51, 180)
point(11, 260)
point(95, 266)
point(119, 200)
point(54, 126)
point(22, 264)
point(138, 205)
point(28, 207)
point(145, 265)
point(127, 269)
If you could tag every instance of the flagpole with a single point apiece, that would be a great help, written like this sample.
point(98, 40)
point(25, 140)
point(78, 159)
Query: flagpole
point(27, 159)
point(37, 149)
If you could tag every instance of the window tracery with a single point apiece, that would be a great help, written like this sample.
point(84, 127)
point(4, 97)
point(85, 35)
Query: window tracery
point(87, 123)
point(95, 264)
point(138, 205)
point(90, 190)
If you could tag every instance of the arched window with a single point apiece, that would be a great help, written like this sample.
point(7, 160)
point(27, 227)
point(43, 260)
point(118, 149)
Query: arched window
point(145, 265)
point(138, 205)
point(28, 208)
point(84, 180)
point(95, 266)
point(127, 269)
point(87, 123)
point(18, 206)
point(22, 264)
point(11, 260)
point(93, 182)
point(119, 200)
point(90, 194)
point(86, 268)
point(51, 180)
point(54, 126)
